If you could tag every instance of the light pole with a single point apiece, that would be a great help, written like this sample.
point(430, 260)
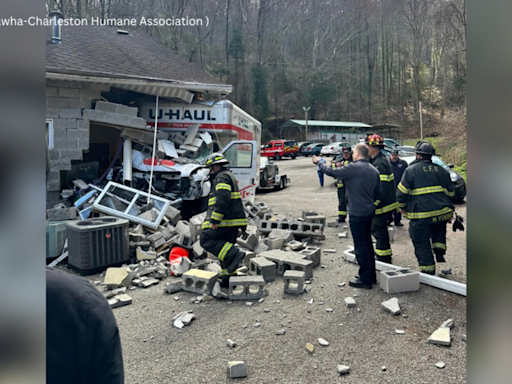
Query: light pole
point(306, 115)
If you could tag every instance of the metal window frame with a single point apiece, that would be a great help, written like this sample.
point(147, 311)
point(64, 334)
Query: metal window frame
point(50, 133)
point(125, 215)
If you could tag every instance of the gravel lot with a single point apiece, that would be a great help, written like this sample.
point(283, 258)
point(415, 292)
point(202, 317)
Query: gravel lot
point(156, 352)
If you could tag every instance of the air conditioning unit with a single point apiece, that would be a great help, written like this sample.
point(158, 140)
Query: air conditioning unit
point(55, 238)
point(98, 243)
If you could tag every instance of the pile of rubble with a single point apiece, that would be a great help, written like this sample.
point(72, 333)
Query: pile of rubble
point(287, 250)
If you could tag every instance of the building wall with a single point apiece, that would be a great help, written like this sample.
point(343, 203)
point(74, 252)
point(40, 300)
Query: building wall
point(65, 101)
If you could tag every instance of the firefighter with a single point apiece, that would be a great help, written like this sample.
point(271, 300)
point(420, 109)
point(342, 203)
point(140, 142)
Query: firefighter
point(346, 158)
point(387, 202)
point(424, 197)
point(224, 217)
point(398, 166)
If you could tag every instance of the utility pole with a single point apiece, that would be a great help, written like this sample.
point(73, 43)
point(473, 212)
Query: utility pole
point(421, 124)
point(306, 110)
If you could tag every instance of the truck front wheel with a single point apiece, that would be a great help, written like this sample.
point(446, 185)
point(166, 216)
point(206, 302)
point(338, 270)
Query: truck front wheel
point(277, 156)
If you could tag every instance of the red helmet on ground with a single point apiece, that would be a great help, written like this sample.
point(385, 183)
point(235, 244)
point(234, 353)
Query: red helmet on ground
point(375, 141)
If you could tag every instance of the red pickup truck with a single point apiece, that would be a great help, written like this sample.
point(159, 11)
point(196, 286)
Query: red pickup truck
point(280, 148)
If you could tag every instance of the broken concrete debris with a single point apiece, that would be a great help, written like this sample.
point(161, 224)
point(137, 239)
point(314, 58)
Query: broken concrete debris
point(448, 324)
point(440, 365)
point(310, 347)
point(323, 342)
point(392, 306)
point(231, 343)
point(441, 337)
point(343, 369)
point(120, 300)
point(237, 369)
point(350, 302)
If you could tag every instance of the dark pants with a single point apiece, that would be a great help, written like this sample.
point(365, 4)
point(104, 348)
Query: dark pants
point(361, 228)
point(342, 204)
point(427, 237)
point(380, 231)
point(321, 178)
point(397, 215)
point(221, 243)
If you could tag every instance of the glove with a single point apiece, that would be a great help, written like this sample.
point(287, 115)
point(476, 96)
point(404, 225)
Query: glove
point(457, 224)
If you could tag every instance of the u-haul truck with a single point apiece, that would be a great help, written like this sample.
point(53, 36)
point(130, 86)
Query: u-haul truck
point(234, 132)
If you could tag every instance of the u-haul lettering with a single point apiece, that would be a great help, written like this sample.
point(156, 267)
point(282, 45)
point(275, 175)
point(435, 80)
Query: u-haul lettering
point(182, 114)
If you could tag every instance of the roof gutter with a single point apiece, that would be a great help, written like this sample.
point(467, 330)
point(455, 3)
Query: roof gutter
point(135, 81)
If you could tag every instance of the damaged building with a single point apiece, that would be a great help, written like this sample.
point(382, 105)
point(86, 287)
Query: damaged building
point(102, 86)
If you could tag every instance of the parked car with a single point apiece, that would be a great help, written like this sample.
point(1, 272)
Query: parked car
point(303, 144)
point(281, 148)
point(457, 179)
point(311, 149)
point(333, 148)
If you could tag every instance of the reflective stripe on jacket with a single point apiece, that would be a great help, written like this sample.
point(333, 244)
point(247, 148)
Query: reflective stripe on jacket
point(387, 202)
point(424, 192)
point(225, 206)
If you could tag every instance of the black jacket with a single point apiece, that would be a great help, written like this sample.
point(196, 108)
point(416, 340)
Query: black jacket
point(424, 192)
point(225, 205)
point(387, 202)
point(398, 169)
point(82, 338)
point(362, 183)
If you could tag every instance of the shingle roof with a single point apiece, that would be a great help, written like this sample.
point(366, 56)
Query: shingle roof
point(101, 50)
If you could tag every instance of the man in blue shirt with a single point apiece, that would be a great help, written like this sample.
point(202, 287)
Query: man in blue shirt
point(363, 188)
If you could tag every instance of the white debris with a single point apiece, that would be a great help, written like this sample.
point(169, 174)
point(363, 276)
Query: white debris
point(399, 331)
point(350, 302)
point(392, 306)
point(440, 365)
point(343, 369)
point(441, 337)
point(323, 342)
point(448, 324)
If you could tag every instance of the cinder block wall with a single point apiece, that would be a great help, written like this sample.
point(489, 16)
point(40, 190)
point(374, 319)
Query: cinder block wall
point(65, 101)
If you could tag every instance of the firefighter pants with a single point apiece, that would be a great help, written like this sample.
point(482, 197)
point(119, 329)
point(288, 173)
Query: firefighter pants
point(221, 243)
point(380, 232)
point(427, 237)
point(342, 204)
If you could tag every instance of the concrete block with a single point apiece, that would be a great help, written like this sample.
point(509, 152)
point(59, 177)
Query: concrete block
point(180, 266)
point(82, 124)
point(60, 102)
point(260, 247)
point(173, 214)
point(52, 112)
point(120, 301)
point(144, 255)
point(199, 281)
point(183, 227)
point(60, 214)
point(174, 286)
point(65, 123)
point(146, 283)
point(237, 369)
point(305, 214)
point(249, 241)
point(265, 268)
point(157, 239)
point(286, 235)
point(295, 245)
point(294, 282)
point(317, 219)
point(114, 118)
point(312, 253)
point(52, 92)
point(248, 256)
point(70, 113)
point(69, 92)
point(197, 249)
point(64, 144)
point(195, 223)
point(441, 337)
point(400, 280)
point(246, 287)
point(274, 243)
point(289, 261)
point(82, 134)
point(71, 154)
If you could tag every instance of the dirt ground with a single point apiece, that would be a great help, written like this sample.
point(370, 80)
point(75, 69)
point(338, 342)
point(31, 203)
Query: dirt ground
point(363, 338)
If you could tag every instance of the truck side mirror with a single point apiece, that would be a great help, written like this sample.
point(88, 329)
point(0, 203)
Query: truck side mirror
point(451, 166)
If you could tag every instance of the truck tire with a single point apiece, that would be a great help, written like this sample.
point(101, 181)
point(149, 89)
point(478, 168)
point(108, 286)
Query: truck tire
point(294, 155)
point(277, 156)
